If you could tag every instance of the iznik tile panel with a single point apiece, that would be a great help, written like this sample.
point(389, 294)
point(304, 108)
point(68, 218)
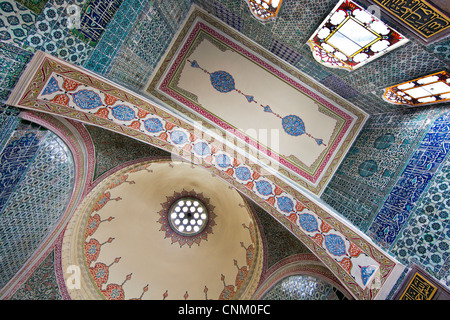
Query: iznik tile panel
point(114, 36)
point(405, 194)
point(95, 17)
point(374, 163)
point(146, 42)
point(37, 177)
point(301, 288)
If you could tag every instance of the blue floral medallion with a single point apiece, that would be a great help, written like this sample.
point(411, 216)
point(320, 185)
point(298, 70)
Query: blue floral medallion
point(264, 187)
point(293, 125)
point(87, 99)
point(178, 137)
point(123, 113)
point(223, 160)
point(308, 222)
point(285, 204)
point(222, 81)
point(243, 173)
point(153, 125)
point(201, 148)
point(335, 244)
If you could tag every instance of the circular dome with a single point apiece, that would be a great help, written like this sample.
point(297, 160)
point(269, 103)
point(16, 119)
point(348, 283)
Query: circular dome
point(124, 240)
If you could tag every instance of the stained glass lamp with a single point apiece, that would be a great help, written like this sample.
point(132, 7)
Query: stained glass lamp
point(433, 88)
point(264, 9)
point(350, 37)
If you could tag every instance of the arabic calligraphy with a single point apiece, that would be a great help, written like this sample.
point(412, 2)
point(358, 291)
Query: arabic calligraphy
point(418, 14)
point(419, 289)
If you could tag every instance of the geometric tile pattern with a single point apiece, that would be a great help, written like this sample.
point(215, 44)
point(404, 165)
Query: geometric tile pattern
point(15, 159)
point(230, 18)
point(95, 16)
point(42, 284)
point(53, 29)
point(112, 150)
point(47, 31)
point(405, 194)
point(15, 21)
point(373, 164)
point(425, 240)
point(284, 52)
point(441, 49)
point(339, 86)
point(114, 35)
point(8, 122)
point(42, 190)
point(142, 50)
point(302, 287)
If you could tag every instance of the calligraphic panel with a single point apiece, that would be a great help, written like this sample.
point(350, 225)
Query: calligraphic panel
point(425, 20)
point(419, 289)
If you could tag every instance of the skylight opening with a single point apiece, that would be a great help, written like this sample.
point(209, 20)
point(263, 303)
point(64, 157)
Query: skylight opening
point(351, 37)
point(433, 88)
point(264, 10)
point(188, 216)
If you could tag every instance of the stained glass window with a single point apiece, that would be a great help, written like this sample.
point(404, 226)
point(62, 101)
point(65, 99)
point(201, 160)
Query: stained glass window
point(350, 37)
point(433, 88)
point(264, 9)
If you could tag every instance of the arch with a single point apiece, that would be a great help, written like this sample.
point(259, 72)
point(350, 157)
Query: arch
point(298, 265)
point(355, 267)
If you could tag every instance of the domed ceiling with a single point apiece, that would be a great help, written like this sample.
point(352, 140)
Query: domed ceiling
point(122, 240)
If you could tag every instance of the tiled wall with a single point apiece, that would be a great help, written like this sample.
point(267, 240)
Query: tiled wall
point(36, 289)
point(303, 288)
point(114, 36)
point(145, 42)
point(393, 186)
point(12, 63)
point(374, 163)
point(37, 177)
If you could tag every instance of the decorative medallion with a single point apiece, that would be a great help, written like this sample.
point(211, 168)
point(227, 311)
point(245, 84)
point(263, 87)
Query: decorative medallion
point(223, 82)
point(187, 223)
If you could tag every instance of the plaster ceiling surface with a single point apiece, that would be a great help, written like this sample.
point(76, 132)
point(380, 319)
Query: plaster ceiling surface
point(124, 248)
point(239, 90)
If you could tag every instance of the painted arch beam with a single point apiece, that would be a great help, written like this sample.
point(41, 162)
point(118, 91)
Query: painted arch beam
point(52, 86)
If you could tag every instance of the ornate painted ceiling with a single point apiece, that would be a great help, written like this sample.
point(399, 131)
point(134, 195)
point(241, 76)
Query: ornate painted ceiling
point(121, 236)
point(260, 104)
point(159, 104)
